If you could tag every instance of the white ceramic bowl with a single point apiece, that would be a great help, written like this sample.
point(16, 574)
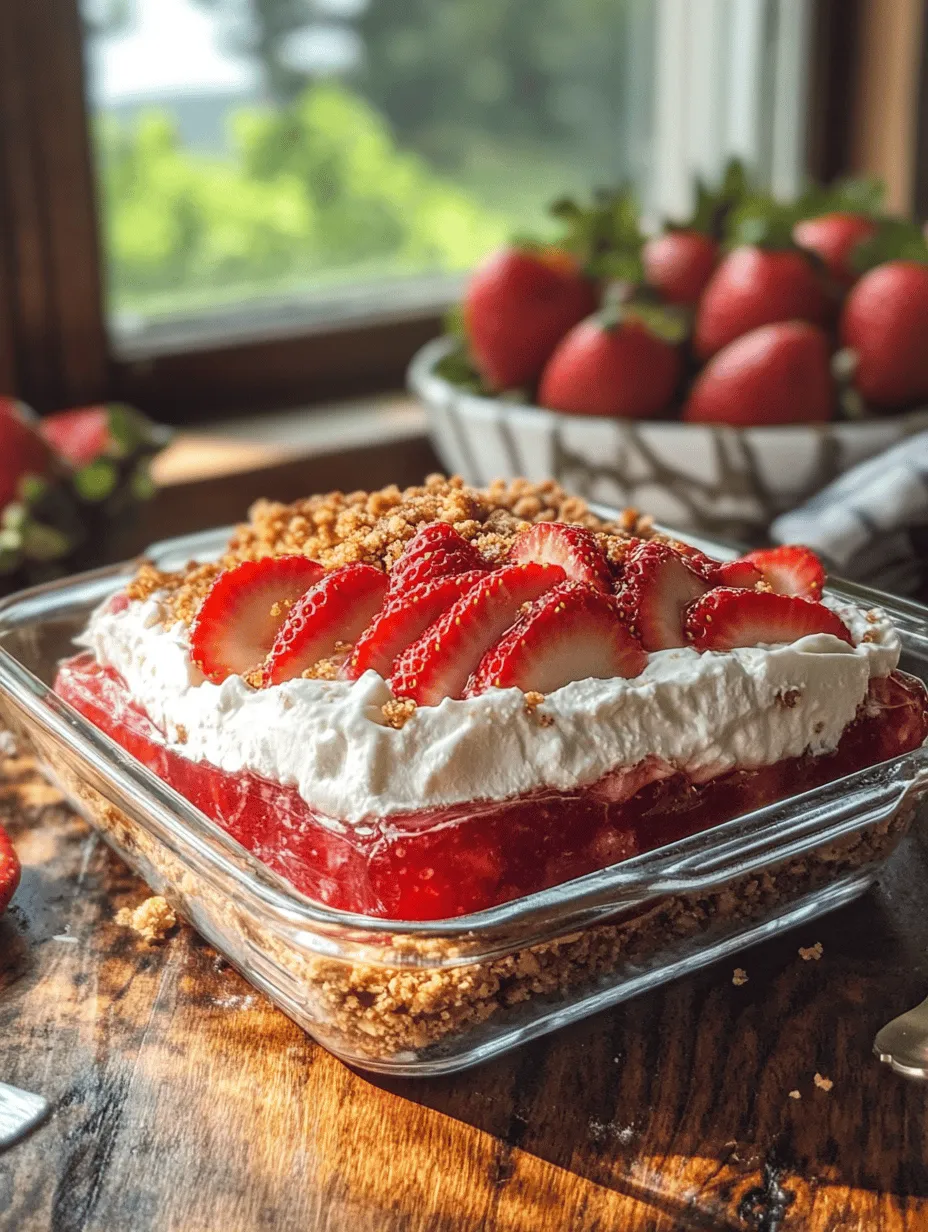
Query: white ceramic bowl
point(725, 481)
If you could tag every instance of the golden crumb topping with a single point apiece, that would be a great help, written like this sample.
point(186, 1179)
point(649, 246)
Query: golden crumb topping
point(373, 528)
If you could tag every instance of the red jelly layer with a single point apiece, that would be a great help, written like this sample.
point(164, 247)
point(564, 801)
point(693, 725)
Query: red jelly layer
point(439, 863)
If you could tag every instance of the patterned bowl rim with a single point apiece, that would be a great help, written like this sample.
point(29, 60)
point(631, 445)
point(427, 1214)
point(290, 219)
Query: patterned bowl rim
point(436, 390)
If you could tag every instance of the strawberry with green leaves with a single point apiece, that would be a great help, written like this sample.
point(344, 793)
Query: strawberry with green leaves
point(885, 325)
point(625, 361)
point(777, 374)
point(518, 305)
point(834, 238)
point(23, 452)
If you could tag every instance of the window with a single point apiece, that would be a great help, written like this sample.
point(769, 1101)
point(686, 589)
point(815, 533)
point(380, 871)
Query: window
point(222, 204)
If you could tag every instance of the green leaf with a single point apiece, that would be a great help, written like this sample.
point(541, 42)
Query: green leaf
point(44, 542)
point(96, 481)
point(32, 488)
point(896, 239)
point(141, 485)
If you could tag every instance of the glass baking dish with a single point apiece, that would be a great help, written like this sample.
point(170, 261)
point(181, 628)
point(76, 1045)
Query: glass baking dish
point(435, 997)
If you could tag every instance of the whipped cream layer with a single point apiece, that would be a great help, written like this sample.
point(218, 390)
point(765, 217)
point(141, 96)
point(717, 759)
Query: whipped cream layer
point(702, 713)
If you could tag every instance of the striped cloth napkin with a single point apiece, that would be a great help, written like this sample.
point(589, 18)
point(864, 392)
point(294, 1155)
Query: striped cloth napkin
point(871, 524)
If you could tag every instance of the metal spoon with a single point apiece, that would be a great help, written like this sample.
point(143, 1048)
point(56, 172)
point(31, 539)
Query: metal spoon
point(20, 1111)
point(903, 1043)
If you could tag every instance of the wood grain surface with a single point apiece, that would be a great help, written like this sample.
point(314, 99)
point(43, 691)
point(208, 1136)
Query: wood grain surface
point(183, 1100)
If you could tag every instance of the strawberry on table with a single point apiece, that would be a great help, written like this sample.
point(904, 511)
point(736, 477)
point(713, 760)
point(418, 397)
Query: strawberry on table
point(777, 374)
point(440, 662)
point(404, 617)
point(833, 237)
point(334, 612)
point(436, 550)
point(518, 305)
point(789, 570)
point(9, 870)
point(239, 618)
point(658, 585)
point(885, 323)
point(572, 547)
point(615, 363)
point(679, 264)
point(573, 632)
point(22, 450)
point(755, 286)
point(724, 619)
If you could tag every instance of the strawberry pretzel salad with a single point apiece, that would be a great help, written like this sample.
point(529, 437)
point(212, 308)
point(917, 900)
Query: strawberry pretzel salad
point(418, 704)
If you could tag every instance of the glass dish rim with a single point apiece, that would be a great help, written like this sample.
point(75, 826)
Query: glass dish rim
point(675, 867)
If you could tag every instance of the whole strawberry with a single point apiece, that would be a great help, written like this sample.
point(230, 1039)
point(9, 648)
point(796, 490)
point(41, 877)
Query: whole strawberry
point(833, 237)
point(679, 264)
point(517, 307)
point(885, 322)
point(22, 450)
point(757, 286)
point(777, 374)
point(612, 364)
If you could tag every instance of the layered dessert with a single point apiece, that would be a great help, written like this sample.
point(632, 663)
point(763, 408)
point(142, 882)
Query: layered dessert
point(418, 704)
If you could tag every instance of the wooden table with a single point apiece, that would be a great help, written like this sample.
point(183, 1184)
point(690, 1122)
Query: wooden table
point(181, 1100)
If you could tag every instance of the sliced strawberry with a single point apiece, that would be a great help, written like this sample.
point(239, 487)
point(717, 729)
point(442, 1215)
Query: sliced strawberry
point(440, 662)
point(657, 587)
point(790, 570)
point(336, 610)
point(739, 573)
point(9, 870)
point(78, 435)
point(403, 618)
point(434, 551)
point(572, 547)
point(726, 618)
point(239, 618)
point(571, 633)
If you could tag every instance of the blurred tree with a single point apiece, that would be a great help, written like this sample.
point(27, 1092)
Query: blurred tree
point(261, 29)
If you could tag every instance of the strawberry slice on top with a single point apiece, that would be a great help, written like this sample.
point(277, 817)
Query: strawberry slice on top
point(790, 570)
point(403, 618)
point(739, 573)
point(573, 632)
point(658, 585)
point(572, 547)
point(239, 618)
point(333, 613)
point(440, 662)
point(726, 618)
point(435, 550)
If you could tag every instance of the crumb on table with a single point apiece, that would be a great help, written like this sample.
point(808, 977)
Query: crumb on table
point(740, 977)
point(153, 919)
point(811, 953)
point(794, 1094)
point(823, 1084)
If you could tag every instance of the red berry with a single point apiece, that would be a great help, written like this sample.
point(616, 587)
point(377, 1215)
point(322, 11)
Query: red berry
point(724, 619)
point(440, 662)
point(885, 322)
point(572, 547)
point(571, 633)
point(679, 264)
point(239, 618)
point(435, 550)
point(79, 436)
point(778, 374)
point(738, 573)
point(603, 369)
point(790, 570)
point(334, 612)
point(22, 450)
point(405, 617)
point(757, 286)
point(833, 237)
point(657, 587)
point(9, 870)
point(517, 307)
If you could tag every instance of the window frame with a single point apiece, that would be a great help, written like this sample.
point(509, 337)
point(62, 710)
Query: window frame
point(54, 346)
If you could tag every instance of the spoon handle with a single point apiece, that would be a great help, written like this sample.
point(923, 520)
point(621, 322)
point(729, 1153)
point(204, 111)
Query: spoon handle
point(903, 1043)
point(20, 1111)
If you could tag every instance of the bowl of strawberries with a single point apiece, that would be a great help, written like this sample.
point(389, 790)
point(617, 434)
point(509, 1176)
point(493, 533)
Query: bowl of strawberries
point(718, 373)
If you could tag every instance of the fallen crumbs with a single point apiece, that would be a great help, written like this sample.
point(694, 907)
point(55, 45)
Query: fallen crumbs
point(795, 1095)
point(812, 952)
point(153, 919)
point(740, 977)
point(823, 1084)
